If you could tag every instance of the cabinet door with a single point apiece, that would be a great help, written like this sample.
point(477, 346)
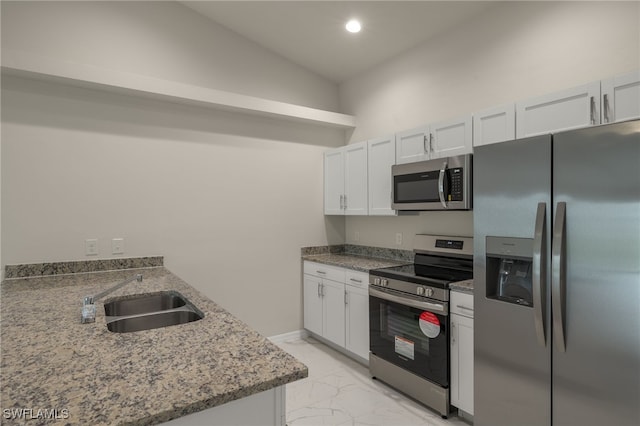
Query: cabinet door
point(494, 125)
point(333, 311)
point(412, 145)
point(357, 317)
point(312, 302)
point(355, 179)
point(621, 98)
point(381, 156)
point(334, 181)
point(462, 363)
point(452, 137)
point(570, 109)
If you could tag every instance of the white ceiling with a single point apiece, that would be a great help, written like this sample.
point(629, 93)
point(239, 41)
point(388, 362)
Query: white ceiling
point(312, 34)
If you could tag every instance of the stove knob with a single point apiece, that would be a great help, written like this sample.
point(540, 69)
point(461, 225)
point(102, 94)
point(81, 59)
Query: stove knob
point(376, 281)
point(420, 291)
point(428, 292)
point(384, 282)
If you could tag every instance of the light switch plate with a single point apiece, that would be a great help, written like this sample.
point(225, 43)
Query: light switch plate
point(117, 246)
point(399, 239)
point(91, 247)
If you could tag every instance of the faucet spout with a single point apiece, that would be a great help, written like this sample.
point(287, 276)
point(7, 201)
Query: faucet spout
point(88, 303)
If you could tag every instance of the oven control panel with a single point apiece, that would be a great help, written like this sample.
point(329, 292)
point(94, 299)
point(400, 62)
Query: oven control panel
point(424, 291)
point(382, 282)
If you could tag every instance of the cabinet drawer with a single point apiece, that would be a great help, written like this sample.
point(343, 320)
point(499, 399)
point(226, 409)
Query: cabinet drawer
point(324, 271)
point(461, 304)
point(357, 278)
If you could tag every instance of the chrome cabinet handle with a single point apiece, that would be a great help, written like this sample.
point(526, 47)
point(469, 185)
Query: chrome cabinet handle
point(321, 272)
point(593, 110)
point(424, 144)
point(430, 142)
point(441, 185)
point(605, 107)
point(346, 298)
point(355, 280)
point(540, 273)
point(319, 294)
point(558, 278)
point(345, 201)
point(453, 334)
point(341, 202)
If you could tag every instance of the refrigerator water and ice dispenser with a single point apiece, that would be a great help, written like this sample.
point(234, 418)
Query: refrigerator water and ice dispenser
point(509, 270)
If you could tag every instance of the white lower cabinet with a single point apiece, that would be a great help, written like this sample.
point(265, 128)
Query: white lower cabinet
point(462, 351)
point(333, 312)
point(357, 313)
point(336, 306)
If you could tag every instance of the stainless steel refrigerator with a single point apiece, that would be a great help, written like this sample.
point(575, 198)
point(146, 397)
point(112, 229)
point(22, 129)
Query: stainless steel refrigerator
point(557, 279)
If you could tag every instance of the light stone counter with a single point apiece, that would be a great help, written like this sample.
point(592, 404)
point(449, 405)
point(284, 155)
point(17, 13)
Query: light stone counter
point(51, 361)
point(358, 258)
point(462, 286)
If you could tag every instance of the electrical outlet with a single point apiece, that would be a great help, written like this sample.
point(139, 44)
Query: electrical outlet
point(398, 239)
point(117, 246)
point(356, 236)
point(91, 247)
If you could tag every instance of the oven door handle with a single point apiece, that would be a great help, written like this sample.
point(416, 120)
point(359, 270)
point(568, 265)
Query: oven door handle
point(427, 306)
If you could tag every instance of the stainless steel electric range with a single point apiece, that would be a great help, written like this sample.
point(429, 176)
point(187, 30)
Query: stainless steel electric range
point(409, 318)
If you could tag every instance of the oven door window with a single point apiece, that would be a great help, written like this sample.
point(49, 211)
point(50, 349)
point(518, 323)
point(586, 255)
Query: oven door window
point(411, 338)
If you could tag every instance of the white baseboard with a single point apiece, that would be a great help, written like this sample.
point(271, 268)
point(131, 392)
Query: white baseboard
point(287, 337)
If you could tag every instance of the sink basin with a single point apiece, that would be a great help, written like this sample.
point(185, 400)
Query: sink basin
point(145, 303)
point(149, 311)
point(154, 320)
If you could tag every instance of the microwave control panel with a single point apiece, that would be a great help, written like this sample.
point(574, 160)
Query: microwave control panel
point(455, 194)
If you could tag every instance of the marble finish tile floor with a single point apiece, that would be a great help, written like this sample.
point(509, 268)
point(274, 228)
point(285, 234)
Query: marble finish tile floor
point(339, 391)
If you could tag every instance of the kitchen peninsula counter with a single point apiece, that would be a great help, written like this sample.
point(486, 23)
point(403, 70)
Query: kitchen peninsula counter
point(89, 375)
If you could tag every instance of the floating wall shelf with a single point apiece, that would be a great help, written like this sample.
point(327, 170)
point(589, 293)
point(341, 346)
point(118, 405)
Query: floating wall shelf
point(34, 66)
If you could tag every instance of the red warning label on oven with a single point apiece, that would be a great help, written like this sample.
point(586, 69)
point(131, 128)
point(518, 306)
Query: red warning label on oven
point(429, 324)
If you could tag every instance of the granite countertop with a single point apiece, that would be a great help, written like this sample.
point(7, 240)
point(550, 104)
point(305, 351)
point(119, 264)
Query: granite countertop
point(462, 286)
point(52, 361)
point(358, 258)
point(355, 262)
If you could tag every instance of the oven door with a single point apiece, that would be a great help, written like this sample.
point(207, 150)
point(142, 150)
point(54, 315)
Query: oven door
point(410, 333)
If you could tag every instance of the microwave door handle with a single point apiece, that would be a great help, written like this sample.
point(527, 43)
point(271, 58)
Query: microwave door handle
point(441, 184)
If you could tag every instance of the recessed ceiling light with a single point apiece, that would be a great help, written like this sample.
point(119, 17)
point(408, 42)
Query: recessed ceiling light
point(353, 26)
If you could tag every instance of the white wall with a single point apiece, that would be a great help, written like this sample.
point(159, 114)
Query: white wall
point(227, 198)
point(512, 51)
point(160, 39)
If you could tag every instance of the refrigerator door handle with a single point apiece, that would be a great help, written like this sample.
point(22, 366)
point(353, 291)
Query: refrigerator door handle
point(558, 277)
point(441, 185)
point(540, 273)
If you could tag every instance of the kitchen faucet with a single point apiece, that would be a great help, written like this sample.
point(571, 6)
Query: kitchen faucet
point(88, 306)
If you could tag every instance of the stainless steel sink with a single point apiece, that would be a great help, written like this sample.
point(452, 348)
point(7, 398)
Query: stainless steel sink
point(149, 311)
point(145, 303)
point(151, 321)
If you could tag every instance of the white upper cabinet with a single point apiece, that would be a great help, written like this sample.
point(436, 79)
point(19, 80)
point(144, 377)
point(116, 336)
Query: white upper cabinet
point(334, 182)
point(412, 145)
point(451, 137)
point(345, 180)
point(497, 124)
point(569, 109)
point(381, 156)
point(355, 179)
point(621, 98)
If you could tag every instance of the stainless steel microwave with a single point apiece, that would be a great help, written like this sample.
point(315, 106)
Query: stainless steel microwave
point(440, 184)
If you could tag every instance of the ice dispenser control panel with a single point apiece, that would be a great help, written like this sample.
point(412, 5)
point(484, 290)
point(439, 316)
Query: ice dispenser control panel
point(509, 270)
